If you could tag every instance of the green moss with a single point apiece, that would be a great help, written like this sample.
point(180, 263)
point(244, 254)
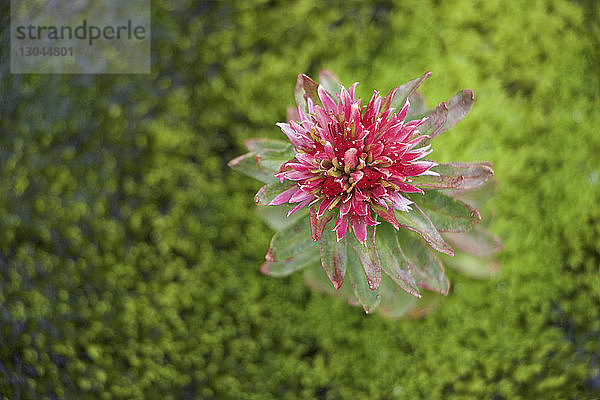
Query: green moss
point(129, 252)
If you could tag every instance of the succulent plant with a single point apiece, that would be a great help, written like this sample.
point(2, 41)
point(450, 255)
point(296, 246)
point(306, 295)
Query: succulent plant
point(353, 188)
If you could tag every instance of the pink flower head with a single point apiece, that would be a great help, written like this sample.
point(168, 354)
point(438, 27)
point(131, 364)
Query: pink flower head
point(353, 159)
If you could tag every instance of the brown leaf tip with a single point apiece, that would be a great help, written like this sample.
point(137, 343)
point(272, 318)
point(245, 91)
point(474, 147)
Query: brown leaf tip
point(270, 256)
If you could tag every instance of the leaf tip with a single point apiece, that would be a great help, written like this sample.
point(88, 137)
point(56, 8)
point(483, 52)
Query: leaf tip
point(265, 269)
point(270, 256)
point(470, 93)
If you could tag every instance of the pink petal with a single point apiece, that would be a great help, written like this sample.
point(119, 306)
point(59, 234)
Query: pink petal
point(416, 168)
point(306, 158)
point(404, 111)
point(329, 150)
point(284, 197)
point(298, 140)
point(293, 175)
point(357, 176)
point(301, 195)
point(299, 206)
point(406, 188)
point(351, 158)
point(399, 202)
point(322, 117)
point(325, 205)
point(345, 208)
point(352, 89)
point(388, 215)
point(341, 226)
point(360, 228)
point(326, 99)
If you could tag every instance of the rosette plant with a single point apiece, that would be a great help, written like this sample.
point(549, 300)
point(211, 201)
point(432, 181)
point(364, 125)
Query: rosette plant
point(358, 204)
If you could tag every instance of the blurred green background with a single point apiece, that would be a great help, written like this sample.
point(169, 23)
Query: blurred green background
point(129, 252)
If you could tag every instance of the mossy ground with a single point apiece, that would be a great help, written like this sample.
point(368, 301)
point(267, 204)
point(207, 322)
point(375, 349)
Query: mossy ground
point(129, 252)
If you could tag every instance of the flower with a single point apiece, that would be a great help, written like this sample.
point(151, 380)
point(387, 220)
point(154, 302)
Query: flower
point(354, 159)
point(366, 166)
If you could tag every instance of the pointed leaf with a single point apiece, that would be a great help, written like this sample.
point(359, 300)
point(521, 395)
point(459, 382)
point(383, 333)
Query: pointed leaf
point(435, 121)
point(395, 302)
point(333, 257)
point(290, 242)
point(258, 145)
point(458, 108)
point(369, 299)
point(276, 217)
point(249, 165)
point(428, 269)
point(316, 278)
point(478, 242)
point(286, 267)
point(268, 192)
point(458, 176)
point(263, 161)
point(424, 306)
point(330, 83)
point(475, 197)
point(402, 92)
point(417, 108)
point(472, 266)
point(369, 258)
point(387, 214)
point(306, 88)
point(446, 213)
point(393, 260)
point(317, 225)
point(274, 159)
point(416, 221)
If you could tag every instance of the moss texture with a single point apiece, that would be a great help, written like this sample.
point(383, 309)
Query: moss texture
point(129, 252)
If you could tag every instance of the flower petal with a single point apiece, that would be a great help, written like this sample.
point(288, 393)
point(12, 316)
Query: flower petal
point(326, 99)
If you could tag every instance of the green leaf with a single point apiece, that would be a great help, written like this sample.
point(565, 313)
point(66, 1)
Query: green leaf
point(317, 225)
point(333, 257)
point(395, 302)
point(249, 165)
point(478, 242)
point(458, 108)
point(330, 83)
point(435, 121)
point(263, 161)
point(369, 299)
point(417, 108)
point(258, 145)
point(424, 305)
point(387, 214)
point(268, 192)
point(458, 176)
point(368, 257)
point(393, 260)
point(446, 213)
point(472, 266)
point(477, 196)
point(290, 242)
point(316, 278)
point(402, 92)
point(416, 221)
point(306, 88)
point(276, 216)
point(428, 270)
point(287, 267)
